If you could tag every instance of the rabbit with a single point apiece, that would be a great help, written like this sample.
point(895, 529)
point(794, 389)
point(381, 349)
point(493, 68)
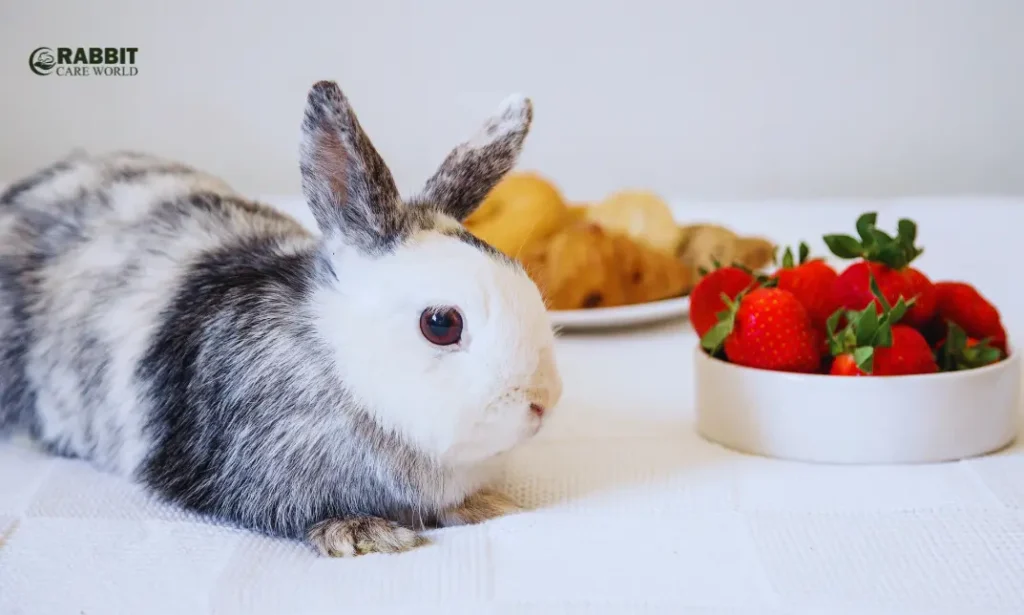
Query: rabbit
point(349, 389)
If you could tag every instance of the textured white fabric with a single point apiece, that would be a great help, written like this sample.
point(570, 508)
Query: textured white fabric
point(634, 513)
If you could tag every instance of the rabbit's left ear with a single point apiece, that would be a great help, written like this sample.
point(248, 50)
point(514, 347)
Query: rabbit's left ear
point(475, 166)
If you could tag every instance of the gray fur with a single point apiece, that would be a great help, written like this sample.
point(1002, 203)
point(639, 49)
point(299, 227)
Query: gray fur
point(158, 325)
point(347, 185)
point(471, 170)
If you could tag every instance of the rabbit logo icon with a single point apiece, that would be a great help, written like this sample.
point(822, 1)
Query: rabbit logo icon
point(41, 61)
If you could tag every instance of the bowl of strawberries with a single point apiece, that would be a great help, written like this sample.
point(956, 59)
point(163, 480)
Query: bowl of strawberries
point(873, 362)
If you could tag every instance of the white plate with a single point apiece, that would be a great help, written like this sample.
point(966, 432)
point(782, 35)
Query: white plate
point(623, 316)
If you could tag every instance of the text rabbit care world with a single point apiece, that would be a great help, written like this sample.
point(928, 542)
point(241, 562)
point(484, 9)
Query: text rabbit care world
point(84, 61)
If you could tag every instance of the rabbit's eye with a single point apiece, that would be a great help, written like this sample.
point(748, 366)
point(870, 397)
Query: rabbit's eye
point(442, 327)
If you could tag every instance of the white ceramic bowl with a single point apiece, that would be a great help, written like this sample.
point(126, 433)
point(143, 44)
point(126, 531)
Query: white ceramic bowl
point(871, 420)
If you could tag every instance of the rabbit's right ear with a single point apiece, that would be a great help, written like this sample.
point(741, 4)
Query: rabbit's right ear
point(475, 166)
point(346, 183)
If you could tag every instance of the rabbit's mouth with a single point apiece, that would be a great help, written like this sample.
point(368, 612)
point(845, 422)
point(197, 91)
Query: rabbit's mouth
point(536, 419)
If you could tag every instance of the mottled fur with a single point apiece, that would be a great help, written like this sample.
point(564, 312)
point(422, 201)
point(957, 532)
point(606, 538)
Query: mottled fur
point(166, 329)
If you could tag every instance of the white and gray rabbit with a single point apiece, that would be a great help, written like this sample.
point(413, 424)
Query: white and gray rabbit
point(349, 388)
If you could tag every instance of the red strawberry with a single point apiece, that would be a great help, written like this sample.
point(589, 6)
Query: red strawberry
point(811, 282)
point(706, 297)
point(888, 260)
point(766, 328)
point(908, 354)
point(962, 304)
point(875, 345)
point(851, 290)
point(845, 365)
point(923, 291)
point(957, 351)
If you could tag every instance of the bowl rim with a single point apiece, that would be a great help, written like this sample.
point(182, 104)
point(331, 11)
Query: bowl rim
point(1012, 357)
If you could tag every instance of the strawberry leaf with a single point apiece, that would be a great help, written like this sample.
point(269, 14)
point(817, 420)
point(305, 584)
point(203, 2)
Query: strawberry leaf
point(957, 353)
point(867, 325)
point(977, 355)
point(715, 336)
point(899, 310)
point(906, 236)
point(833, 321)
point(890, 254)
point(952, 345)
point(907, 229)
point(883, 338)
point(880, 237)
point(844, 246)
point(835, 345)
point(787, 259)
point(865, 223)
point(876, 245)
point(702, 271)
point(713, 340)
point(805, 251)
point(877, 292)
point(864, 357)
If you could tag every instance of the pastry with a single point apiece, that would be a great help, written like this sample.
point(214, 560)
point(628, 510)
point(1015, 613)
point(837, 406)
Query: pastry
point(576, 212)
point(649, 274)
point(701, 245)
point(584, 266)
point(640, 215)
point(521, 209)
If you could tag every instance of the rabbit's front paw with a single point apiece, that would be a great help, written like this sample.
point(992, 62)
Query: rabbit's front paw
point(479, 507)
point(361, 535)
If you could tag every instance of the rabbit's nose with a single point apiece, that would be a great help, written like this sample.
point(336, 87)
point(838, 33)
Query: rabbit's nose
point(538, 410)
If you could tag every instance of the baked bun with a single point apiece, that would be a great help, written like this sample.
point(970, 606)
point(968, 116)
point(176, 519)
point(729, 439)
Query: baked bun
point(640, 215)
point(521, 209)
point(585, 266)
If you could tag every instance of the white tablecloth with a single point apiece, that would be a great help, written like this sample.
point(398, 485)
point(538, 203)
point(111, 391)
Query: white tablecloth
point(633, 511)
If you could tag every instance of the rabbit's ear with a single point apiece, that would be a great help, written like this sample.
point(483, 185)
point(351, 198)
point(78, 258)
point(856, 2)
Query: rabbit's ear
point(346, 183)
point(474, 167)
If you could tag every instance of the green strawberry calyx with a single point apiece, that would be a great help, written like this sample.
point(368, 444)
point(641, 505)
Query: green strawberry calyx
point(956, 354)
point(760, 278)
point(866, 329)
point(875, 245)
point(716, 265)
point(787, 256)
point(713, 340)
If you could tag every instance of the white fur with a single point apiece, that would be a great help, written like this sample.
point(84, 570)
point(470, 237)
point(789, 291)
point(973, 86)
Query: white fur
point(463, 404)
point(510, 116)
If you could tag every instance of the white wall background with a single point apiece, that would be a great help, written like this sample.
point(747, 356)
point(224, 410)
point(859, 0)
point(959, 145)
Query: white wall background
point(695, 99)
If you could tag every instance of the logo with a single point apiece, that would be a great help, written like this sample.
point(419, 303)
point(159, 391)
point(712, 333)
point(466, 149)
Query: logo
point(84, 61)
point(41, 61)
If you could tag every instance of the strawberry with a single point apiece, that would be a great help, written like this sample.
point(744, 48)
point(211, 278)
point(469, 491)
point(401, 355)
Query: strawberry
point(876, 345)
point(923, 290)
point(850, 290)
point(766, 328)
point(961, 303)
point(845, 365)
point(888, 260)
point(908, 354)
point(957, 351)
point(811, 282)
point(706, 297)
